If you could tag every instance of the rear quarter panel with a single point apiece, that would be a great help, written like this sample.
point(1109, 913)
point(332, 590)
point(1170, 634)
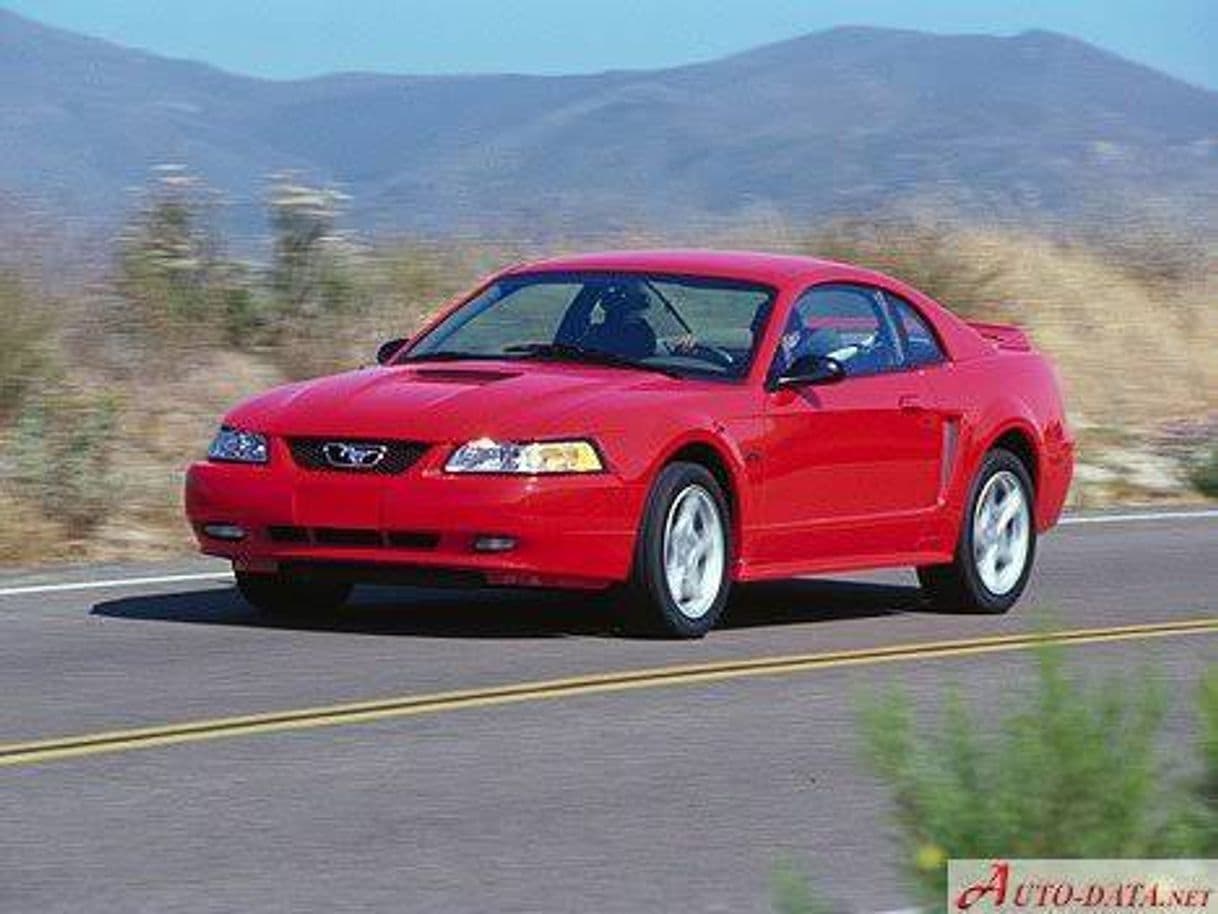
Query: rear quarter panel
point(993, 395)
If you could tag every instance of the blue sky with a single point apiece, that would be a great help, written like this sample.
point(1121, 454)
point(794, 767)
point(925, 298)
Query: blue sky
point(290, 38)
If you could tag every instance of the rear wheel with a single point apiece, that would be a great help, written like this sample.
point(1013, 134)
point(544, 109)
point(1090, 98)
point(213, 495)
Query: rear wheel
point(682, 565)
point(287, 597)
point(997, 542)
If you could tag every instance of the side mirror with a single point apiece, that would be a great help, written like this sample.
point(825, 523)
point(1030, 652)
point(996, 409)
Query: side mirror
point(388, 349)
point(811, 369)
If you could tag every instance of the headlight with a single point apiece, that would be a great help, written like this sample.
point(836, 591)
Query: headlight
point(235, 446)
point(525, 457)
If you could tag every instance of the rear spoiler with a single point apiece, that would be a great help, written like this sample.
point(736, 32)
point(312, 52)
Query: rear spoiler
point(1003, 336)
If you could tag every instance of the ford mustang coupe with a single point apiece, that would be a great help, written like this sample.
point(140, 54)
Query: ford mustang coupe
point(657, 425)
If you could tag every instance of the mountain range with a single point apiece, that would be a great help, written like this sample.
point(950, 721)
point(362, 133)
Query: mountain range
point(851, 120)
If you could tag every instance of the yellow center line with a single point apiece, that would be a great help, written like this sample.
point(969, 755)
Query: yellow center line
point(25, 753)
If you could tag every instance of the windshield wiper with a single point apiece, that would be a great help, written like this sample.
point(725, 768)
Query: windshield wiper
point(573, 352)
point(669, 306)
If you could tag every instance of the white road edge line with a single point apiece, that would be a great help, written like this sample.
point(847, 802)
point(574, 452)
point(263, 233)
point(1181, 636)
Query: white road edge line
point(227, 575)
point(1131, 518)
point(115, 582)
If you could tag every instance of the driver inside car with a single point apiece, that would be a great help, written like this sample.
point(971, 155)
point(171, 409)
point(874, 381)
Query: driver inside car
point(624, 330)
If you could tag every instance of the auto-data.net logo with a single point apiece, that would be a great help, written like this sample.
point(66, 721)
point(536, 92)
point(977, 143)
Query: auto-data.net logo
point(1053, 886)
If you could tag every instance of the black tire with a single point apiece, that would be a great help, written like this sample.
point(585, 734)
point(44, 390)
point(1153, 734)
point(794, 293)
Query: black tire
point(285, 597)
point(958, 586)
point(646, 603)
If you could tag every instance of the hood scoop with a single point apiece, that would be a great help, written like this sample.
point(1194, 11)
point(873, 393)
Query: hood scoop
point(460, 375)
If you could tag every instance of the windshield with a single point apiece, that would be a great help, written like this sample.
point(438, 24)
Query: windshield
point(675, 324)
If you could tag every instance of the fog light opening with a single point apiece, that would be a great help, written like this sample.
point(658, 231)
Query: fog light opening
point(495, 542)
point(230, 532)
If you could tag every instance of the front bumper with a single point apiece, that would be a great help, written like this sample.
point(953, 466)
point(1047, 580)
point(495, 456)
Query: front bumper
point(568, 531)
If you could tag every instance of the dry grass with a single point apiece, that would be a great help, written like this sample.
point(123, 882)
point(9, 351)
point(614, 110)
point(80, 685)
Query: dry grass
point(396, 290)
point(25, 326)
point(1134, 348)
point(27, 534)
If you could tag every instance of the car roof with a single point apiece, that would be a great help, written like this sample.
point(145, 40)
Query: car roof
point(756, 266)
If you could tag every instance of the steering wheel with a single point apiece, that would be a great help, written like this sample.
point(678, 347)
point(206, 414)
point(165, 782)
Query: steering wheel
point(705, 351)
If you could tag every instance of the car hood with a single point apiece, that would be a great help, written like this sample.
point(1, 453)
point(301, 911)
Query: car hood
point(451, 401)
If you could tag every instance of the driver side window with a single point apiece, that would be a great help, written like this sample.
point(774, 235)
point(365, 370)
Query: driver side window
point(843, 322)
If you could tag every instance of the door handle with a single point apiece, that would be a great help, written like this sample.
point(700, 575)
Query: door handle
point(911, 403)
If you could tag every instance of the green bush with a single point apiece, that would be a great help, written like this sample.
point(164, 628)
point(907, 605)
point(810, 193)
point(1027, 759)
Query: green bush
point(1206, 785)
point(24, 342)
point(372, 296)
point(1203, 474)
point(168, 258)
point(791, 894)
point(310, 274)
point(303, 309)
point(314, 284)
point(58, 456)
point(1072, 772)
point(173, 277)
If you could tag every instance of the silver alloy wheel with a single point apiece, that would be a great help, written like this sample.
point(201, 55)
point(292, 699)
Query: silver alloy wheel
point(694, 549)
point(1002, 524)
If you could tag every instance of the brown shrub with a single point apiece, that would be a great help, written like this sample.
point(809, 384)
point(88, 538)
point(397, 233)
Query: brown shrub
point(25, 342)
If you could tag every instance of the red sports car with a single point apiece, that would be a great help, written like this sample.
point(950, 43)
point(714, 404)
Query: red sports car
point(658, 423)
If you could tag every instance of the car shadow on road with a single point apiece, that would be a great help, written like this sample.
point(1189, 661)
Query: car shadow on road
point(414, 612)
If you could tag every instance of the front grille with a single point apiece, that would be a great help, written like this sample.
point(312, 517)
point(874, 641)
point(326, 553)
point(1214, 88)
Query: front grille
point(337, 536)
point(404, 539)
point(310, 454)
point(286, 534)
point(354, 537)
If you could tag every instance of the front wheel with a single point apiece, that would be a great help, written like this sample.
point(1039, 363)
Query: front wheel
point(997, 542)
point(682, 565)
point(286, 597)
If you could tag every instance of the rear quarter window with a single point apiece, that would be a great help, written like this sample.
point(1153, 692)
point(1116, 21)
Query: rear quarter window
point(920, 344)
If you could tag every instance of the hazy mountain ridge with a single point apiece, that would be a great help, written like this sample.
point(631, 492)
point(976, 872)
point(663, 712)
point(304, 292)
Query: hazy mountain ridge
point(845, 120)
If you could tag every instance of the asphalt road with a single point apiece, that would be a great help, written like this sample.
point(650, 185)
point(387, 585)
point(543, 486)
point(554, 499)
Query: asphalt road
point(647, 794)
